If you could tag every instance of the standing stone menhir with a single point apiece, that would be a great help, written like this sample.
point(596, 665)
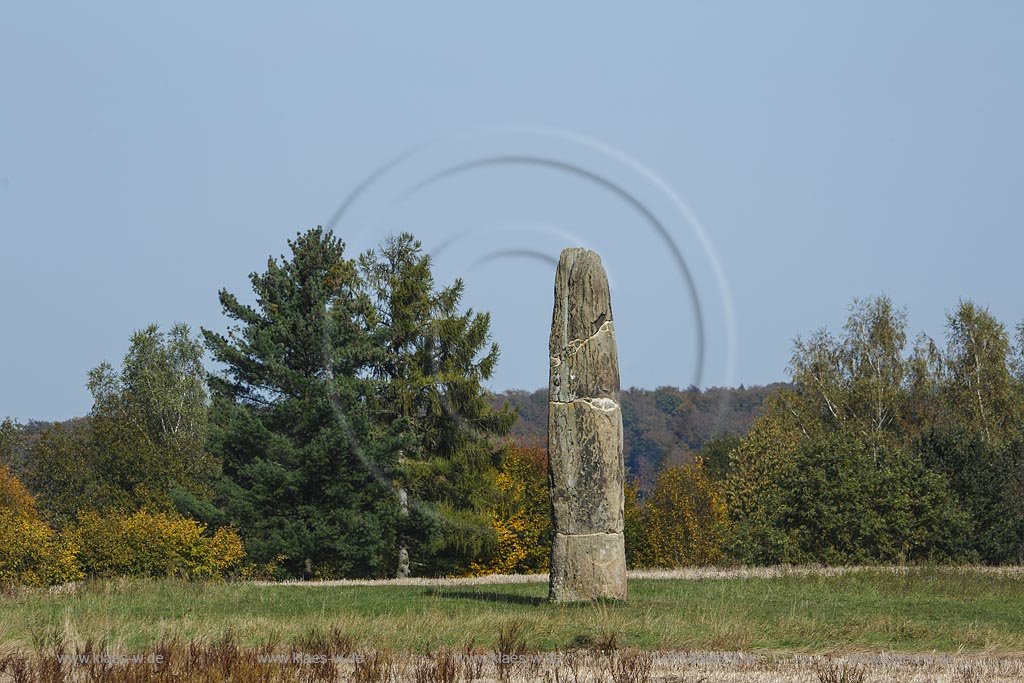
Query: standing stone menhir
point(585, 466)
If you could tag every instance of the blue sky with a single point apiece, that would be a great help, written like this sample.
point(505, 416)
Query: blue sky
point(150, 156)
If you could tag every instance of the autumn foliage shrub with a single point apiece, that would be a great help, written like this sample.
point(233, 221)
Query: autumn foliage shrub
point(154, 544)
point(115, 544)
point(31, 552)
point(683, 521)
point(521, 515)
point(14, 497)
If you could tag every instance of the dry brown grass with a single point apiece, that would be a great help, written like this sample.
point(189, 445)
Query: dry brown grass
point(327, 657)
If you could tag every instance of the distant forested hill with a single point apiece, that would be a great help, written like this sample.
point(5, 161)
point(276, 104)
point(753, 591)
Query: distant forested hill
point(661, 426)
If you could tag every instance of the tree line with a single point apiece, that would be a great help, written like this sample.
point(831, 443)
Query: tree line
point(346, 425)
point(876, 451)
point(345, 432)
point(883, 451)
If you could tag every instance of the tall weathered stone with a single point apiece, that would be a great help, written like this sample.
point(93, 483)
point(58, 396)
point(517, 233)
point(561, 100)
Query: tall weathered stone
point(585, 466)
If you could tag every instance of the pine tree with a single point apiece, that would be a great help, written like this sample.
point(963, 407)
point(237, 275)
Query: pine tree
point(428, 400)
point(302, 479)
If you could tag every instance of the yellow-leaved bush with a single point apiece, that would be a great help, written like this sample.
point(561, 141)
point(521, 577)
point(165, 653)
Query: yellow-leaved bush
point(31, 552)
point(154, 544)
point(521, 515)
point(683, 522)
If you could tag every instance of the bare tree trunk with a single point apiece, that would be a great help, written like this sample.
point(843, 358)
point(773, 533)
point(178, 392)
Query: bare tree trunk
point(403, 552)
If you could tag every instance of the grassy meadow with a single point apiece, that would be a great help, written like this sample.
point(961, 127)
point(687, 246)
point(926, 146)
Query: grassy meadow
point(909, 610)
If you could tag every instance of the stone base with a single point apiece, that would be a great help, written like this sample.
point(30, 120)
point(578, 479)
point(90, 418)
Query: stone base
point(588, 567)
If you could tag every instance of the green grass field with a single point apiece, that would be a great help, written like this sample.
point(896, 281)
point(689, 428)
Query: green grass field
point(915, 610)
